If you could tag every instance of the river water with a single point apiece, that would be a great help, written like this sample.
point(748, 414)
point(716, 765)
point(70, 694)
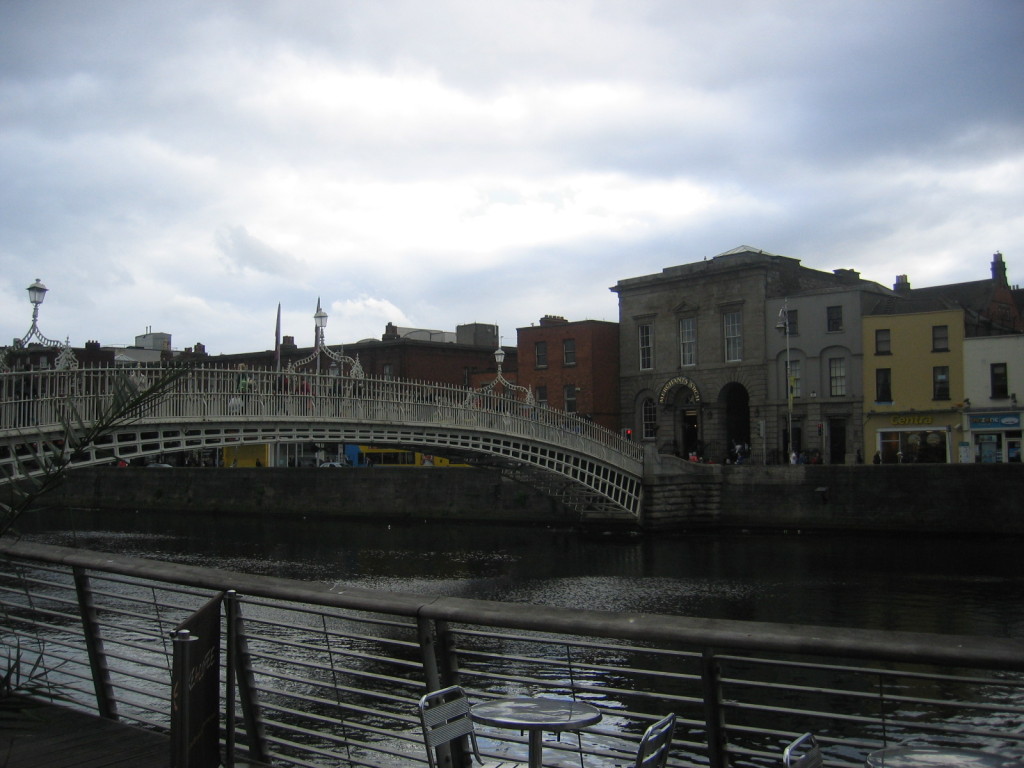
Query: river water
point(957, 585)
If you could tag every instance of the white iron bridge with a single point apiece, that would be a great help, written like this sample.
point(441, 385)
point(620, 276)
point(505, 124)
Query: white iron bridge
point(589, 468)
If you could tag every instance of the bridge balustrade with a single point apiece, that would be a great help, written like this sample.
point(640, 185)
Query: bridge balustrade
point(38, 405)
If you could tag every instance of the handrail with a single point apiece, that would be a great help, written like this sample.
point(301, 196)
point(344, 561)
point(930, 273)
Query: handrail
point(722, 634)
point(337, 669)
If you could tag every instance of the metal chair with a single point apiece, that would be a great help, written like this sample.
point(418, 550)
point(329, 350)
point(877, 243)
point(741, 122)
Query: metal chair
point(653, 750)
point(803, 753)
point(444, 715)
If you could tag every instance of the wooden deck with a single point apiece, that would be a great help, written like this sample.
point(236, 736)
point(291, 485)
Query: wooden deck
point(39, 735)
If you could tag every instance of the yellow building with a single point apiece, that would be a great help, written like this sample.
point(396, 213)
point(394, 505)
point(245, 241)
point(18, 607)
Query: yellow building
point(913, 382)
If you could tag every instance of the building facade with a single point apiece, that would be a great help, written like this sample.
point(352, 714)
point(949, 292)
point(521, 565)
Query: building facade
point(704, 352)
point(572, 366)
point(993, 377)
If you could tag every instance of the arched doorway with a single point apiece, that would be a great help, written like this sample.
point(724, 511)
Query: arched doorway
point(682, 399)
point(735, 401)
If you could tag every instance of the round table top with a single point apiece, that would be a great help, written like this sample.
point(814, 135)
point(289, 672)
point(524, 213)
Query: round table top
point(541, 714)
point(937, 757)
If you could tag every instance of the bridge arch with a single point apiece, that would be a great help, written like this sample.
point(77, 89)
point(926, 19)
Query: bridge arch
point(587, 467)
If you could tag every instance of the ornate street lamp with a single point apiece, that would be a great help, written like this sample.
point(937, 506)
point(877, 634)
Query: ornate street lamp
point(339, 360)
point(783, 325)
point(508, 389)
point(66, 358)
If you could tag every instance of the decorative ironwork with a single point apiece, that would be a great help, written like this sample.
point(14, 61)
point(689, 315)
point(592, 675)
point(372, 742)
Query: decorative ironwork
point(65, 360)
point(355, 367)
point(502, 387)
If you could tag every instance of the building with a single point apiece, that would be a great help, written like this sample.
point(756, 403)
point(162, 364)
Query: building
point(937, 378)
point(705, 349)
point(993, 375)
point(913, 379)
point(572, 366)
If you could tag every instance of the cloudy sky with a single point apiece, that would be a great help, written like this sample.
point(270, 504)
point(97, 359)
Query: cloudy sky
point(185, 166)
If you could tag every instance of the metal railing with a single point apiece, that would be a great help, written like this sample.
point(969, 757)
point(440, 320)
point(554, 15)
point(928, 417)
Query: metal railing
point(212, 407)
point(329, 675)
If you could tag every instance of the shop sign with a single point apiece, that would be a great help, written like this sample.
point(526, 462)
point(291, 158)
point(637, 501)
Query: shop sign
point(995, 421)
point(906, 420)
point(678, 381)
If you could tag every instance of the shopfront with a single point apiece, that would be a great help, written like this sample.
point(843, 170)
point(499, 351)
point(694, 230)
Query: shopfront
point(915, 439)
point(995, 437)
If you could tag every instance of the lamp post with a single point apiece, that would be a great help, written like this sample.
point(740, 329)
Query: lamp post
point(339, 360)
point(783, 325)
point(320, 319)
point(36, 295)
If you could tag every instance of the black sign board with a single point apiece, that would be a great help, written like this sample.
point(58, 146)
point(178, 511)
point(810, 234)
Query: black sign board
point(195, 689)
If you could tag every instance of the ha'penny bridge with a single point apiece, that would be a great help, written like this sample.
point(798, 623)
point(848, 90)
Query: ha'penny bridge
point(587, 467)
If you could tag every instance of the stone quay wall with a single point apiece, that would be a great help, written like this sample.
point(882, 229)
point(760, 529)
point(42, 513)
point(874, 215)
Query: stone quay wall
point(921, 498)
point(910, 498)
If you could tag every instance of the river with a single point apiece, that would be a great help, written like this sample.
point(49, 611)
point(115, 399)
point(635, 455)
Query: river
point(958, 585)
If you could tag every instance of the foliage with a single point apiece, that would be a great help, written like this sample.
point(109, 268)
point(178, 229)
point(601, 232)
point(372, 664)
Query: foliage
point(39, 472)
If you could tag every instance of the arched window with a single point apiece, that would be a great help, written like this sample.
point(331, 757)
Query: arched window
point(649, 414)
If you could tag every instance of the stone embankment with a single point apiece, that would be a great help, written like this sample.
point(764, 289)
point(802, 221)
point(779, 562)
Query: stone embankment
point(679, 496)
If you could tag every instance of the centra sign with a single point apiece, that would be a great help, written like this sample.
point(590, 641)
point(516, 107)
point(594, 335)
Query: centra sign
point(679, 381)
point(903, 420)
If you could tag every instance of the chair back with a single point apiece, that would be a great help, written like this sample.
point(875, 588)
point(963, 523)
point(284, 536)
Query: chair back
point(444, 715)
point(803, 753)
point(653, 750)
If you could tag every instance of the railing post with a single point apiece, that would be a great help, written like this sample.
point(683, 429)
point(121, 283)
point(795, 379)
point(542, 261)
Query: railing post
point(239, 658)
point(106, 702)
point(714, 718)
point(428, 653)
point(447, 655)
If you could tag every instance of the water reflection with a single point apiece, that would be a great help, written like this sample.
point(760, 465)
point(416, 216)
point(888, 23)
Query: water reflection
point(948, 585)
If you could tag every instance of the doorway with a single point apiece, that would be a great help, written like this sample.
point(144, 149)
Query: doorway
point(836, 441)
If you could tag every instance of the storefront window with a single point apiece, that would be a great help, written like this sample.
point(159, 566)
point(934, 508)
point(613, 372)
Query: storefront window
point(922, 446)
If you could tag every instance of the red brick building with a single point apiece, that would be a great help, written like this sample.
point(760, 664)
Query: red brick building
point(573, 366)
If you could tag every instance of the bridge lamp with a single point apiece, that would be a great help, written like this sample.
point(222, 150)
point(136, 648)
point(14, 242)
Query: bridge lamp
point(320, 320)
point(499, 357)
point(36, 293)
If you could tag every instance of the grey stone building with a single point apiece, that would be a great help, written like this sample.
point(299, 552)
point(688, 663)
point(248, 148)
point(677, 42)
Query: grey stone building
point(704, 350)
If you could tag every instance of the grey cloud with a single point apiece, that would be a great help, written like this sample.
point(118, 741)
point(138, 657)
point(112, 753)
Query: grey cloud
point(246, 252)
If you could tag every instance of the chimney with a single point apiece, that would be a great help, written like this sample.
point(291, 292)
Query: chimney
point(553, 320)
point(847, 275)
point(390, 332)
point(998, 269)
point(902, 285)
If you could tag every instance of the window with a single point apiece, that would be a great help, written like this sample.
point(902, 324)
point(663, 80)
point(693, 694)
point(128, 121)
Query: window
point(1000, 386)
point(940, 338)
point(646, 340)
point(649, 414)
point(940, 382)
point(389, 371)
point(883, 343)
point(569, 352)
point(542, 396)
point(540, 352)
point(733, 329)
point(834, 319)
point(688, 341)
point(794, 378)
point(883, 385)
point(569, 392)
point(792, 323)
point(837, 376)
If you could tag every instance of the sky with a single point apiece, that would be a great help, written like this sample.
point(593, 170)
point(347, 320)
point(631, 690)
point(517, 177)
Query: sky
point(186, 166)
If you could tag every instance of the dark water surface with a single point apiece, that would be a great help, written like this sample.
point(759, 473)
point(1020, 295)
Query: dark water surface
point(958, 585)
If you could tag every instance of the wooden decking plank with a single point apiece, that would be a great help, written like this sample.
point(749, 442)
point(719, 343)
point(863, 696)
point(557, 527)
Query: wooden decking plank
point(36, 734)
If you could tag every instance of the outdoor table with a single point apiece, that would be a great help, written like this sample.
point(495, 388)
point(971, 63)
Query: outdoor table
point(535, 716)
point(937, 757)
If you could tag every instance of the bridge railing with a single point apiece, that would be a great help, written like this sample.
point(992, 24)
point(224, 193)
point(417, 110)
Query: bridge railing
point(41, 399)
point(330, 674)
